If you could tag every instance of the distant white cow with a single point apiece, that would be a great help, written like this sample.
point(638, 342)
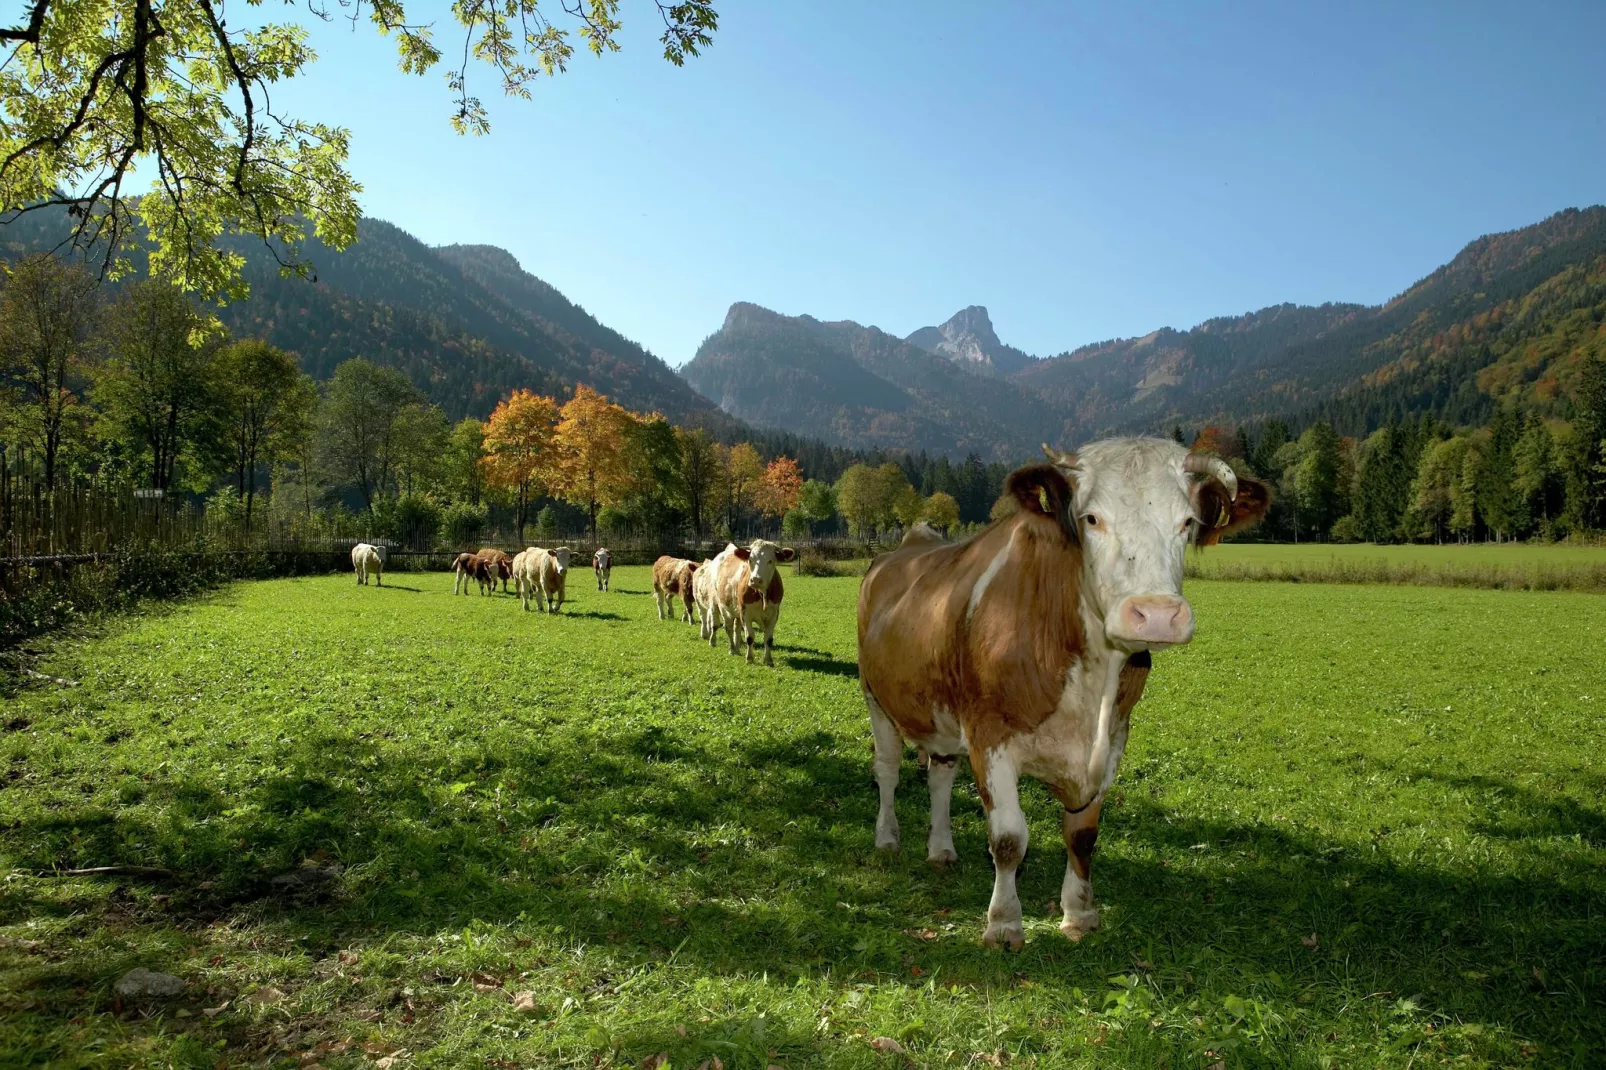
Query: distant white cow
point(602, 564)
point(551, 569)
point(366, 558)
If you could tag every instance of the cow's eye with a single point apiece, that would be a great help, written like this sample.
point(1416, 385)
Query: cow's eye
point(1091, 520)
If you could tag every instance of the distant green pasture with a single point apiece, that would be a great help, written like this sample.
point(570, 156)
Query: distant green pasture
point(1523, 566)
point(1356, 827)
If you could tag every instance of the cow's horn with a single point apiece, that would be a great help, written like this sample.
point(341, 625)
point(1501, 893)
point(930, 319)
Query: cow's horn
point(1063, 460)
point(1210, 465)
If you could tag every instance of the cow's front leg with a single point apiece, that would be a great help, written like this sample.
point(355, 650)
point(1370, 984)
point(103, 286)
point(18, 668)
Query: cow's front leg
point(771, 618)
point(940, 772)
point(998, 779)
point(749, 626)
point(1076, 897)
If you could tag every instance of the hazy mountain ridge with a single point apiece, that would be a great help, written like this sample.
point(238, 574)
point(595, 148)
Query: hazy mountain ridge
point(968, 338)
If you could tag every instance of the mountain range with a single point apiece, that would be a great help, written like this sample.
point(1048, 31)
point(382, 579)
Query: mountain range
point(1509, 317)
point(1508, 320)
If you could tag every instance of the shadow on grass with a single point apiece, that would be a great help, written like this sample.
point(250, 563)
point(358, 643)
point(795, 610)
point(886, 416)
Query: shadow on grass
point(827, 665)
point(756, 856)
point(399, 587)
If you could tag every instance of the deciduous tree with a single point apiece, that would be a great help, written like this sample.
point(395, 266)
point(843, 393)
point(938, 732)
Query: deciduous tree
point(591, 468)
point(267, 410)
point(942, 511)
point(780, 488)
point(519, 448)
point(699, 475)
point(98, 92)
point(357, 424)
point(47, 319)
point(158, 387)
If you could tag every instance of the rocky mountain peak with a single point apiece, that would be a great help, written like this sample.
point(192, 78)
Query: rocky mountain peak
point(968, 338)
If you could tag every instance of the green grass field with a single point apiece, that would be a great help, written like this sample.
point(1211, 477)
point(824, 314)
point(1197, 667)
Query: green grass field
point(1511, 566)
point(1356, 827)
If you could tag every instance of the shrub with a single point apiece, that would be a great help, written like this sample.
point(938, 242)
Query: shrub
point(462, 522)
point(1347, 529)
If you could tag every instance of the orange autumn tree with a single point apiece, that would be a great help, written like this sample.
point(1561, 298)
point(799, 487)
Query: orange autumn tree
point(519, 440)
point(741, 470)
point(780, 488)
point(592, 469)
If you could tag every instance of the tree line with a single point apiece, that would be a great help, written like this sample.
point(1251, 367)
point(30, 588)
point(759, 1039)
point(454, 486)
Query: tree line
point(1519, 476)
point(139, 388)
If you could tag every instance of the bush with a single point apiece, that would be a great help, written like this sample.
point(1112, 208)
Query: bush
point(814, 563)
point(462, 522)
point(412, 520)
point(795, 524)
point(1347, 529)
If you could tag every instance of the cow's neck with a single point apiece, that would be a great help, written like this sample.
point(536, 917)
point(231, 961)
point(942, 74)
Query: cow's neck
point(1100, 672)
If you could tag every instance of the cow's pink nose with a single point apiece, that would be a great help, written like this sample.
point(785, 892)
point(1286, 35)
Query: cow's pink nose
point(1153, 620)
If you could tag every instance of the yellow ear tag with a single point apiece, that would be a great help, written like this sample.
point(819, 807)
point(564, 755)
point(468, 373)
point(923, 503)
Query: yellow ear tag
point(1042, 500)
point(1224, 518)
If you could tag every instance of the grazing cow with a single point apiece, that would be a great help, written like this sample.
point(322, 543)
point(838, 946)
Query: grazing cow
point(367, 558)
point(602, 565)
point(748, 592)
point(702, 592)
point(671, 577)
point(1026, 646)
point(551, 574)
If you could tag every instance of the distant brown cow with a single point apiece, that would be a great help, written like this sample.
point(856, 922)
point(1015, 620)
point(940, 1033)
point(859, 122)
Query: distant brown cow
point(1026, 647)
point(748, 592)
point(499, 565)
point(672, 578)
point(470, 567)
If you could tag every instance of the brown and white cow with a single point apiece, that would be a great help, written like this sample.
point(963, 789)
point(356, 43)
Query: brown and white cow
point(499, 565)
point(471, 566)
point(748, 592)
point(1026, 647)
point(671, 579)
point(602, 565)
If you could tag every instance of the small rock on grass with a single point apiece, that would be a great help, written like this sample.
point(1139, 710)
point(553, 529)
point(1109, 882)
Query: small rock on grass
point(142, 982)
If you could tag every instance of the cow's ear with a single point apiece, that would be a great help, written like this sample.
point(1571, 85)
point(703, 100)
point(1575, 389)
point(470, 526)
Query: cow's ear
point(1043, 491)
point(743, 552)
point(1220, 516)
point(691, 566)
point(786, 553)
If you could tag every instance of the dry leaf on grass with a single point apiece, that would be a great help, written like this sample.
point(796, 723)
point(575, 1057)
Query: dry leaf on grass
point(653, 1062)
point(265, 995)
point(715, 1063)
point(525, 1003)
point(1309, 941)
point(887, 1044)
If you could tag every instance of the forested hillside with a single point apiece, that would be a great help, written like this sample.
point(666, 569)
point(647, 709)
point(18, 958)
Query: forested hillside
point(465, 323)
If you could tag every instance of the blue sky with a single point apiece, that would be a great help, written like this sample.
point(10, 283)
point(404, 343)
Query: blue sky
point(1086, 171)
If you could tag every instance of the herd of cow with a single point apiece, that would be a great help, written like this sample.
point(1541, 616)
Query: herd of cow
point(1024, 648)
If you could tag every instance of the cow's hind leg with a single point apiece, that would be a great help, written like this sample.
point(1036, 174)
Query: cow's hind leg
point(940, 772)
point(888, 756)
point(1076, 896)
point(997, 779)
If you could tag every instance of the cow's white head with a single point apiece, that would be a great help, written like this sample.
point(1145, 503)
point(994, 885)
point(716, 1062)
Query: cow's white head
point(561, 555)
point(1135, 504)
point(762, 555)
point(601, 559)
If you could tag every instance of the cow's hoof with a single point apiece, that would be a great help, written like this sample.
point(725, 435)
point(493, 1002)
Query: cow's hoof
point(769, 662)
point(941, 858)
point(1004, 934)
point(886, 836)
point(1079, 923)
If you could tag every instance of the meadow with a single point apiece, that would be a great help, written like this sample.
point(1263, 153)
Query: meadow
point(1355, 826)
point(1526, 566)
